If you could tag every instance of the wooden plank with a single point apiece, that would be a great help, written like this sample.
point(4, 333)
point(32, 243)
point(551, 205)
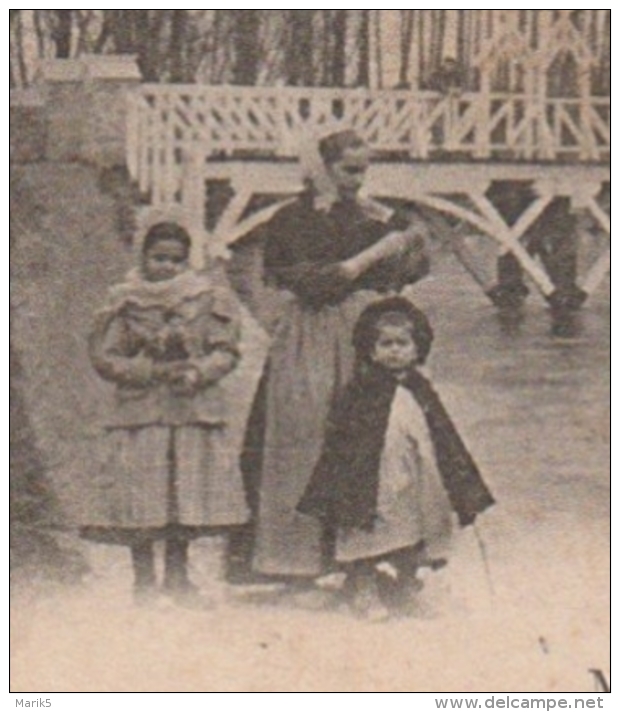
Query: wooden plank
point(507, 237)
point(597, 274)
point(248, 119)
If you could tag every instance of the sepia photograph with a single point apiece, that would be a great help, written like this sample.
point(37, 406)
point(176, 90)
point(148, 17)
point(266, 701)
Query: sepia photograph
point(310, 352)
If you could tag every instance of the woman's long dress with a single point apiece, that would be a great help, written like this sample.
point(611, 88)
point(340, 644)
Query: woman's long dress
point(310, 357)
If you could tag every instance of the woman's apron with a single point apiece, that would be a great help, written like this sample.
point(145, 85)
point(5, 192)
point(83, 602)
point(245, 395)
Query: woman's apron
point(312, 356)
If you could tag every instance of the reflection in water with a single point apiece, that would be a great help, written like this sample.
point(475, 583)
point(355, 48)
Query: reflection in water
point(511, 321)
point(566, 324)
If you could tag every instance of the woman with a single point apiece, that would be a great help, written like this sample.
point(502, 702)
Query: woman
point(330, 253)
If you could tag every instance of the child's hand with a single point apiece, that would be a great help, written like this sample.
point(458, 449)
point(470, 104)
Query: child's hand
point(184, 380)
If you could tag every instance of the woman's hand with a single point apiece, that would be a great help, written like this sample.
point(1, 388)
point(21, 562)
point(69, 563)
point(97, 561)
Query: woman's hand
point(394, 245)
point(398, 244)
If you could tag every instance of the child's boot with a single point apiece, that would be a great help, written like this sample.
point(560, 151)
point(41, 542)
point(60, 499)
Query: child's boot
point(177, 584)
point(399, 583)
point(145, 583)
point(365, 599)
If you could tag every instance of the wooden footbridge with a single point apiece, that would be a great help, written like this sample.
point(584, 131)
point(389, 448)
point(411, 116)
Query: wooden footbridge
point(447, 152)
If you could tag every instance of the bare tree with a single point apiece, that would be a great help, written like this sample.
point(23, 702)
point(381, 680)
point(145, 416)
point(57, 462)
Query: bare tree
point(338, 59)
point(62, 31)
point(18, 70)
point(377, 56)
point(85, 20)
point(299, 49)
point(178, 46)
point(41, 33)
point(246, 38)
point(364, 49)
point(13, 16)
point(407, 17)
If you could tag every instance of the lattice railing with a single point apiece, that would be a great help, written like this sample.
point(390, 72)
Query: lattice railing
point(171, 125)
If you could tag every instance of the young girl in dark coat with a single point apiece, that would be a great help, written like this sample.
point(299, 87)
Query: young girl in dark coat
point(166, 338)
point(393, 468)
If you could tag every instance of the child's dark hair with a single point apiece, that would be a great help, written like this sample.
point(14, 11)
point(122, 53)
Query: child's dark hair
point(332, 148)
point(394, 311)
point(163, 232)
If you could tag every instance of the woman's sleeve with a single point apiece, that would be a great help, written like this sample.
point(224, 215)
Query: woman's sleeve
point(315, 282)
point(111, 354)
point(220, 340)
point(415, 265)
point(396, 273)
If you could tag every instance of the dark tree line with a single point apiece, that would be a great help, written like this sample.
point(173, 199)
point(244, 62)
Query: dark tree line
point(294, 47)
point(331, 48)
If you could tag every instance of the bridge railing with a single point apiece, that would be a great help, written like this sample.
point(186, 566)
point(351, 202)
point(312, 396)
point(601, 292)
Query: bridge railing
point(170, 125)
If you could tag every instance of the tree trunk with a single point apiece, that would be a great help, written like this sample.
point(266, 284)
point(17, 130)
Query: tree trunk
point(300, 48)
point(62, 32)
point(39, 27)
point(247, 46)
point(121, 28)
point(378, 55)
point(406, 47)
point(84, 18)
point(178, 41)
point(148, 28)
point(364, 44)
point(19, 51)
point(104, 35)
point(13, 15)
point(338, 60)
point(326, 54)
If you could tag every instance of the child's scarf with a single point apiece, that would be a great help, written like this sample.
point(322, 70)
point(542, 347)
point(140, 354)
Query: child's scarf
point(344, 489)
point(168, 295)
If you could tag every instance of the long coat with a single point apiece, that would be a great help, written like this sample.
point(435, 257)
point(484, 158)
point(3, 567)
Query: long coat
point(167, 460)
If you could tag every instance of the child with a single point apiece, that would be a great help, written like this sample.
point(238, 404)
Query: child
point(393, 466)
point(166, 338)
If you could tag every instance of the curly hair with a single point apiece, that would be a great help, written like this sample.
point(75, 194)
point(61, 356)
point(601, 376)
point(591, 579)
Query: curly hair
point(393, 311)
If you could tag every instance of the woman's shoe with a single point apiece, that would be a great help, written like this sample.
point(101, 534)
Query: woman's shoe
point(367, 603)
